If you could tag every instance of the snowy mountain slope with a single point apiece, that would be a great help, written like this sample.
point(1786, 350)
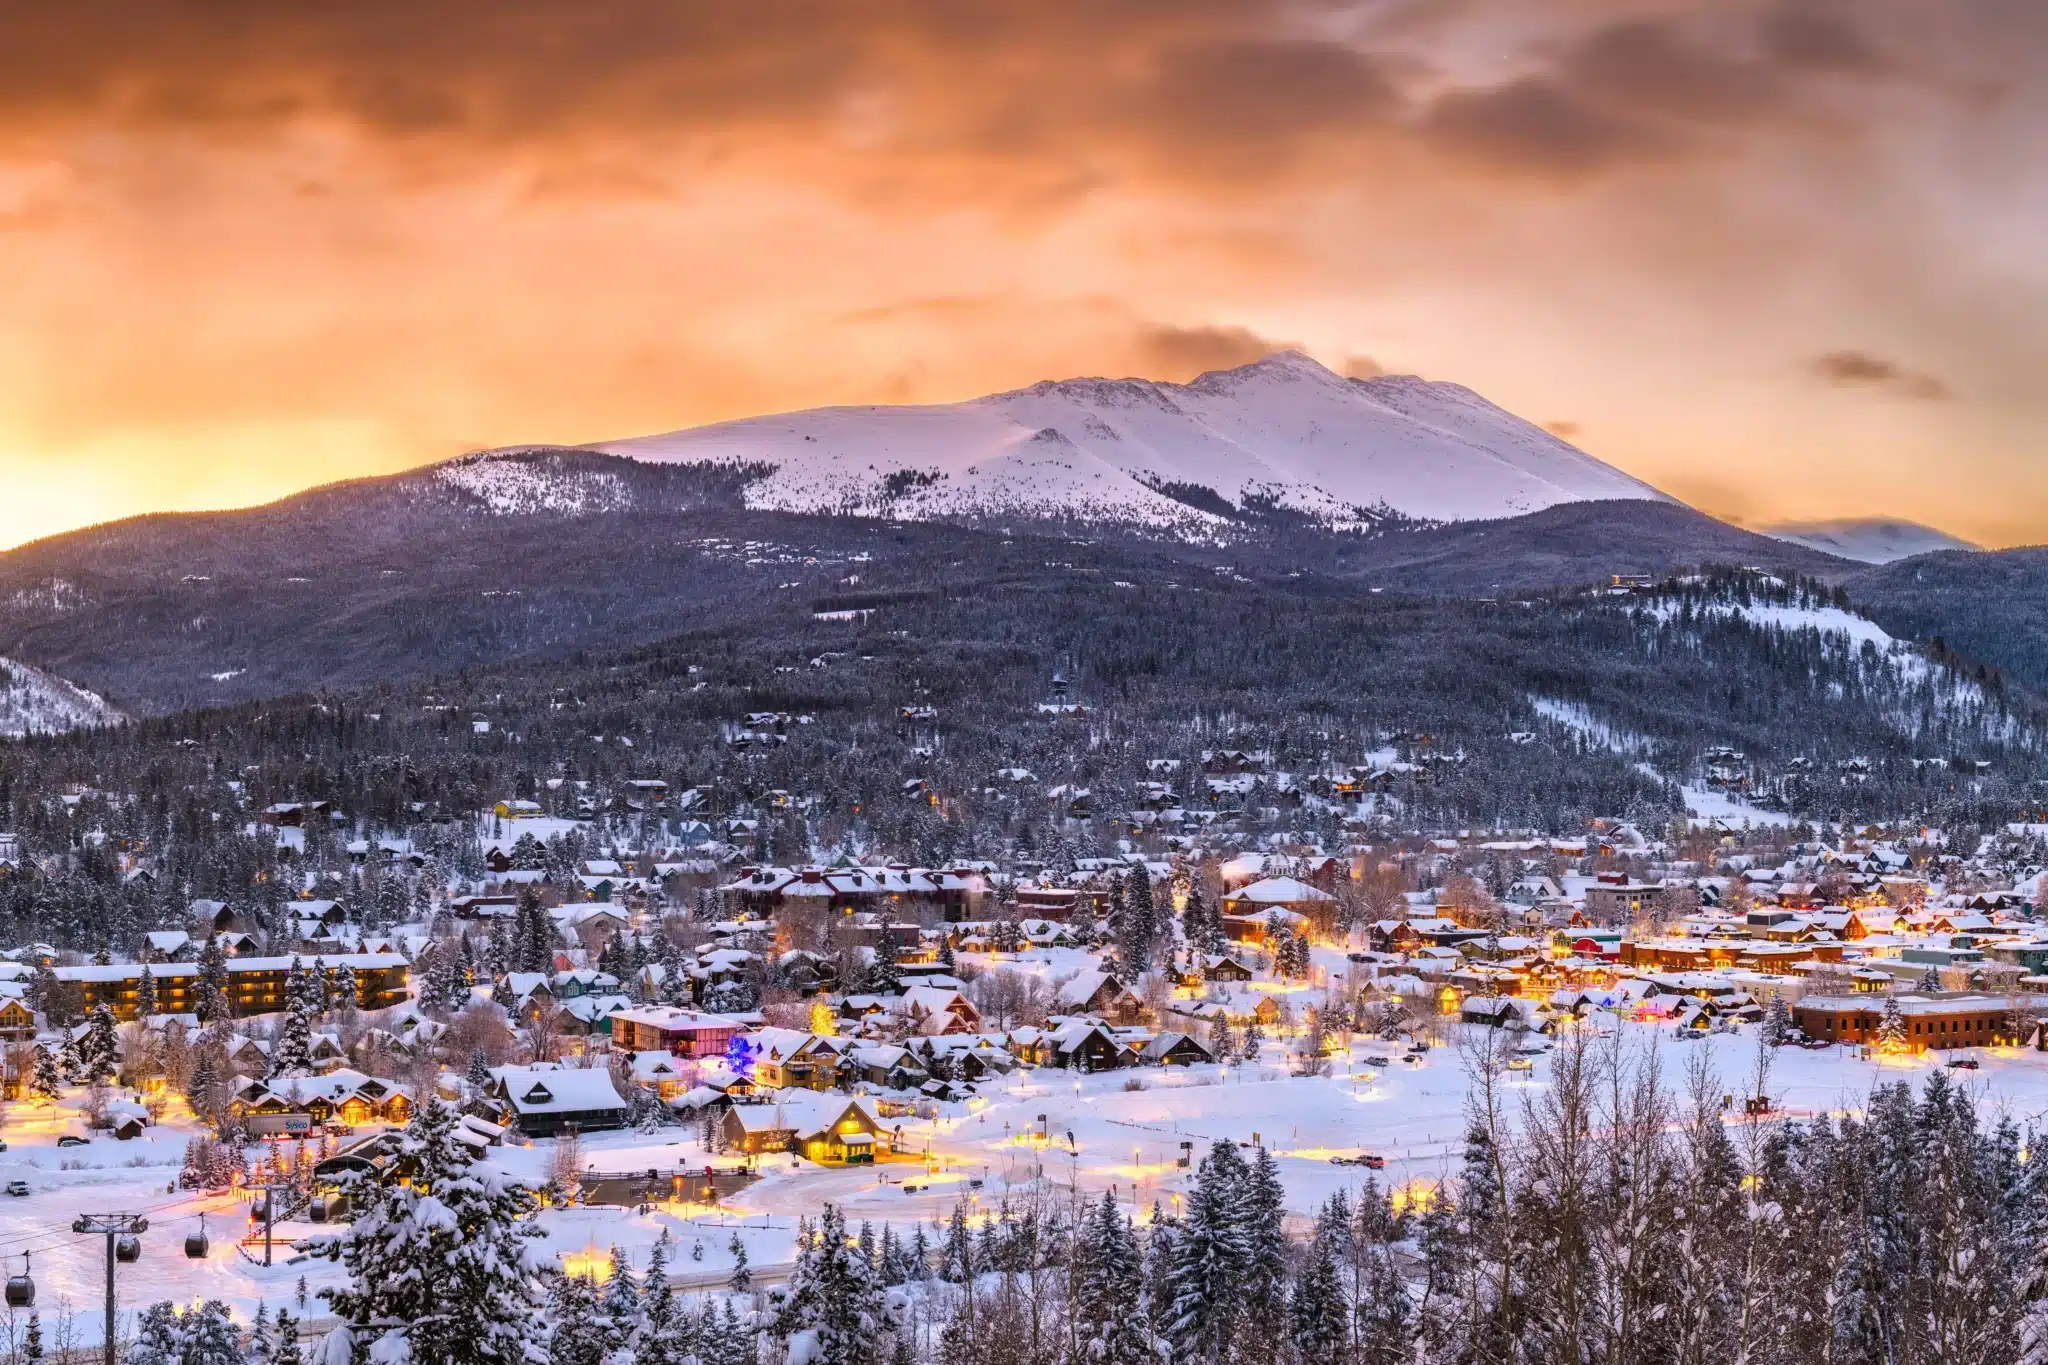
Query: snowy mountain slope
point(1283, 432)
point(35, 702)
point(1867, 540)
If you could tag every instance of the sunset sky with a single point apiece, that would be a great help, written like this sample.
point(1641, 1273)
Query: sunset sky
point(1784, 260)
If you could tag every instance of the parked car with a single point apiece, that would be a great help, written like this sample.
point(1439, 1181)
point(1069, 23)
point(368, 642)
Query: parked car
point(1379, 1061)
point(72, 1140)
point(1963, 1063)
point(17, 1188)
point(1366, 1159)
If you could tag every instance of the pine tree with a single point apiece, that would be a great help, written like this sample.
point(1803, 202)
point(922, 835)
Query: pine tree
point(32, 1343)
point(1261, 1213)
point(479, 1074)
point(742, 1280)
point(145, 994)
point(438, 1258)
point(210, 991)
point(1891, 1027)
point(285, 1350)
point(1930, 980)
point(210, 1336)
point(956, 1257)
point(1108, 1292)
point(1212, 1260)
point(659, 1317)
point(1317, 1312)
point(1777, 1022)
point(581, 1335)
point(292, 1052)
point(158, 1339)
point(98, 1047)
point(620, 1306)
point(834, 1301)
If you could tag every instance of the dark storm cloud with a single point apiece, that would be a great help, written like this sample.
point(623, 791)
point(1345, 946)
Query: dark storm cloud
point(1650, 89)
point(1862, 370)
point(1242, 88)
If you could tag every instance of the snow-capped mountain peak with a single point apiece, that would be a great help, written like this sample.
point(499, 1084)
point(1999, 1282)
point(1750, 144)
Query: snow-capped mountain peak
point(1282, 433)
point(1868, 540)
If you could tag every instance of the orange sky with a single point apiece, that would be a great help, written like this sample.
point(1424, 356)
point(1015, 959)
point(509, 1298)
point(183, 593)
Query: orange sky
point(1780, 259)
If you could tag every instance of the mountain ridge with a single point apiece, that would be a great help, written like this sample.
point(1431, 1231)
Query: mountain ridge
point(1282, 432)
point(1868, 540)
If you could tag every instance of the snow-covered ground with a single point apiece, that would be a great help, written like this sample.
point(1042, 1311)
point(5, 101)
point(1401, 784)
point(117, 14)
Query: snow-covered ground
point(33, 702)
point(1579, 717)
point(1116, 1130)
point(1283, 428)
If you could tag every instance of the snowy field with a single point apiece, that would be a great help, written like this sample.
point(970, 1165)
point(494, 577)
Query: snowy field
point(1126, 1130)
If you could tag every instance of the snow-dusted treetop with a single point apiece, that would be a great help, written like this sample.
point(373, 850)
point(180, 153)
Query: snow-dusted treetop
point(1283, 431)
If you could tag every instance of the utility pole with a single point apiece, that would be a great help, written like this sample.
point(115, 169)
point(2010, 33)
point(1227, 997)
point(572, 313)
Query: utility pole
point(115, 1226)
point(270, 1193)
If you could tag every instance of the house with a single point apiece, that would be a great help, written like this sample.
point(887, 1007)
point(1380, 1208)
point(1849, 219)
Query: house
point(794, 1059)
point(168, 945)
point(1224, 968)
point(935, 1009)
point(1287, 893)
point(300, 1104)
point(293, 814)
point(665, 1074)
point(1619, 899)
point(548, 1100)
point(828, 1129)
point(887, 1065)
point(1084, 1046)
point(17, 1020)
point(1498, 1011)
point(1175, 1049)
point(1100, 993)
point(665, 1028)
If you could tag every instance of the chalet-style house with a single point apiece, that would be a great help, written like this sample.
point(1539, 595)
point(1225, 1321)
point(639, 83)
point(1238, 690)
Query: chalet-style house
point(547, 1100)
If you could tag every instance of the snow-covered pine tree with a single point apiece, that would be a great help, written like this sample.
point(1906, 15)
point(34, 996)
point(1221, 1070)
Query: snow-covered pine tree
point(1777, 1022)
point(1262, 1210)
point(145, 994)
point(479, 1073)
point(292, 1053)
point(834, 1314)
point(1107, 1295)
point(1891, 1027)
point(658, 1343)
point(956, 1257)
point(439, 1259)
point(1317, 1311)
point(620, 1305)
point(32, 1340)
point(284, 1348)
point(581, 1335)
point(158, 1340)
point(1212, 1260)
point(1930, 980)
point(202, 1335)
point(210, 1336)
point(210, 991)
point(1143, 916)
point(98, 1047)
point(741, 1281)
